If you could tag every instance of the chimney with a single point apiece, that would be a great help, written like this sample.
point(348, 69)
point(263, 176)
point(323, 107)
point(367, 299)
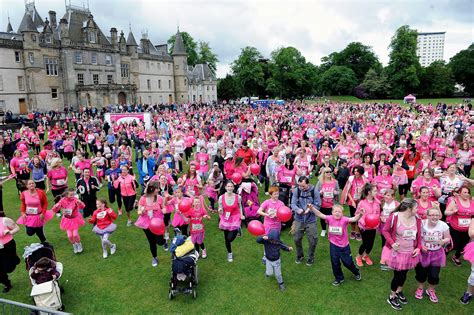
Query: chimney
point(63, 29)
point(113, 36)
point(52, 19)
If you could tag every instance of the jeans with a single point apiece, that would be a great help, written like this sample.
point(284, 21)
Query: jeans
point(274, 267)
point(338, 255)
point(311, 231)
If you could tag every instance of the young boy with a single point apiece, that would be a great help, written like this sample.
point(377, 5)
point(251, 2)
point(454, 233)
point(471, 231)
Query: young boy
point(339, 249)
point(273, 245)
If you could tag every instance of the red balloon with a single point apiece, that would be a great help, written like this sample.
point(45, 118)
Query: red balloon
point(256, 228)
point(255, 169)
point(48, 215)
point(372, 220)
point(284, 214)
point(236, 178)
point(185, 205)
point(157, 226)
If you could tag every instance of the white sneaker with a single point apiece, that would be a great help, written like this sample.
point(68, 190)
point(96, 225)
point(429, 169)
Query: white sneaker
point(154, 262)
point(79, 248)
point(113, 248)
point(167, 236)
point(230, 257)
point(323, 233)
point(74, 246)
point(58, 214)
point(267, 193)
point(104, 253)
point(129, 223)
point(204, 253)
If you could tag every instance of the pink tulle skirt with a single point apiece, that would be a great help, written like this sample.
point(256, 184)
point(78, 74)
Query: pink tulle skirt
point(399, 261)
point(143, 222)
point(178, 220)
point(197, 238)
point(231, 224)
point(108, 230)
point(32, 220)
point(469, 252)
point(435, 258)
point(71, 224)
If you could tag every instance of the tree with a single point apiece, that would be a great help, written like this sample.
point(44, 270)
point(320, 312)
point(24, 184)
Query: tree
point(437, 80)
point(359, 58)
point(227, 88)
point(404, 67)
point(376, 84)
point(190, 45)
point(338, 80)
point(462, 65)
point(248, 71)
point(205, 55)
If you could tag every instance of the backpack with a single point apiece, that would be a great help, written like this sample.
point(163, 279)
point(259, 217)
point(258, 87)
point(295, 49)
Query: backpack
point(313, 194)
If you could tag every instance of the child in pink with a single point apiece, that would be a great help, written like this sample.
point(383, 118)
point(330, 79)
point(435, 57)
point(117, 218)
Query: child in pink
point(197, 231)
point(179, 221)
point(103, 219)
point(211, 193)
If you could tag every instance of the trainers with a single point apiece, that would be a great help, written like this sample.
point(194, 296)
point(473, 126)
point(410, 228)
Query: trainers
point(353, 235)
point(154, 262)
point(7, 288)
point(401, 297)
point(167, 235)
point(129, 223)
point(74, 246)
point(432, 294)
point(367, 260)
point(393, 301)
point(358, 237)
point(230, 257)
point(299, 260)
point(104, 253)
point(384, 267)
point(165, 246)
point(359, 261)
point(267, 193)
point(204, 254)
point(456, 261)
point(419, 294)
point(79, 248)
point(310, 262)
point(466, 298)
point(282, 287)
point(113, 249)
point(358, 277)
point(323, 233)
point(336, 283)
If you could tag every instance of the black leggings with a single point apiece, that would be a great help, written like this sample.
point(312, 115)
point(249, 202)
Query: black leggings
point(229, 237)
point(368, 238)
point(398, 280)
point(403, 189)
point(153, 240)
point(196, 247)
point(183, 229)
point(326, 211)
point(166, 218)
point(460, 239)
point(128, 202)
point(114, 194)
point(188, 152)
point(30, 231)
point(431, 273)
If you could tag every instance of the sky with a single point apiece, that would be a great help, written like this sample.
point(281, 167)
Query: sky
point(316, 28)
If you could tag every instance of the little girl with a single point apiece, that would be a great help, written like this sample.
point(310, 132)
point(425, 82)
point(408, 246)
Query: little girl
point(180, 221)
point(101, 164)
point(103, 219)
point(195, 215)
point(44, 270)
point(211, 193)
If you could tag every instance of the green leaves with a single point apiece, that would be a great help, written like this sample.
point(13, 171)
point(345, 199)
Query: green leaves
point(248, 71)
point(338, 80)
point(462, 65)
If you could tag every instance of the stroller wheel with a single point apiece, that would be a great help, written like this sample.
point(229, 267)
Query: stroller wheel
point(196, 280)
point(194, 293)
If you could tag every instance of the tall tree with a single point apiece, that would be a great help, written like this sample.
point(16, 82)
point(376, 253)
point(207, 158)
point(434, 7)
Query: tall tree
point(376, 83)
point(404, 67)
point(338, 80)
point(248, 71)
point(462, 65)
point(437, 80)
point(205, 55)
point(227, 88)
point(190, 45)
point(359, 58)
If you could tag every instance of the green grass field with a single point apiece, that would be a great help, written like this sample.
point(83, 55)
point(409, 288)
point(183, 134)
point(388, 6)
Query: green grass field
point(126, 283)
point(434, 101)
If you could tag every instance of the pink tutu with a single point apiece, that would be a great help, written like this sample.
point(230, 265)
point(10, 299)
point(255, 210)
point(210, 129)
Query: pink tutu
point(178, 220)
point(435, 258)
point(108, 230)
point(143, 222)
point(32, 220)
point(71, 224)
point(399, 261)
point(233, 223)
point(469, 252)
point(211, 193)
point(197, 238)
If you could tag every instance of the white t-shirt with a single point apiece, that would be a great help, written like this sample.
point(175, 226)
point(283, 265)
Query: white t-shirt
point(448, 185)
point(431, 236)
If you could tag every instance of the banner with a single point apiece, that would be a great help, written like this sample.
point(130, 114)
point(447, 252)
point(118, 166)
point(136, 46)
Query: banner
point(119, 118)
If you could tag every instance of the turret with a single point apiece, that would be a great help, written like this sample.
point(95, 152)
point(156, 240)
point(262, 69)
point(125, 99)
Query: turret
point(113, 37)
point(180, 60)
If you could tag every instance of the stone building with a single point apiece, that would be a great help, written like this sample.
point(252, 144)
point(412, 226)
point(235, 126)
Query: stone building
point(49, 64)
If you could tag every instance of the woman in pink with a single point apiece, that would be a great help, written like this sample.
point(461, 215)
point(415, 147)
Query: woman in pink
point(351, 196)
point(128, 190)
point(402, 249)
point(426, 179)
point(180, 221)
point(303, 164)
point(459, 214)
point(388, 205)
point(19, 168)
point(80, 165)
point(268, 210)
point(203, 159)
point(399, 173)
point(383, 181)
point(57, 177)
point(196, 226)
point(72, 219)
point(329, 190)
point(191, 182)
point(370, 206)
point(424, 202)
point(230, 214)
point(151, 205)
point(33, 206)
point(8, 256)
point(68, 145)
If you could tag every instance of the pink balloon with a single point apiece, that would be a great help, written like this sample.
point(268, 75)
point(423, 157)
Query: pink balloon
point(185, 205)
point(157, 226)
point(236, 178)
point(256, 228)
point(372, 220)
point(284, 214)
point(255, 169)
point(48, 215)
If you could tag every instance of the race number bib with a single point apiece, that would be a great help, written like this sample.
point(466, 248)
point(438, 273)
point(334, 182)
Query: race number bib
point(464, 222)
point(409, 235)
point(196, 227)
point(227, 215)
point(431, 238)
point(271, 212)
point(101, 215)
point(328, 194)
point(150, 213)
point(336, 230)
point(31, 210)
point(67, 212)
point(61, 182)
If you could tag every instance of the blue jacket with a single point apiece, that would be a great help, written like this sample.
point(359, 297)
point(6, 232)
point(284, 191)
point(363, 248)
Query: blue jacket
point(301, 199)
point(151, 168)
point(273, 245)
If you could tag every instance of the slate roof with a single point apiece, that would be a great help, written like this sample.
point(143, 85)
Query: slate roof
point(179, 48)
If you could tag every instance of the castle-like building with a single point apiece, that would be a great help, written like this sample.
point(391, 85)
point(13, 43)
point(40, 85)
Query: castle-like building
point(46, 65)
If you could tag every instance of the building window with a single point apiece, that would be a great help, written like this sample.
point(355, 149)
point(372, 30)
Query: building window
point(208, 87)
point(95, 78)
point(51, 65)
point(148, 65)
point(1, 83)
point(169, 84)
point(159, 84)
point(108, 60)
point(94, 58)
point(213, 87)
point(78, 57)
point(80, 78)
point(92, 37)
point(185, 82)
point(169, 66)
point(148, 84)
point(17, 56)
point(33, 37)
point(54, 93)
point(21, 84)
point(31, 57)
point(110, 79)
point(124, 70)
point(158, 65)
point(48, 39)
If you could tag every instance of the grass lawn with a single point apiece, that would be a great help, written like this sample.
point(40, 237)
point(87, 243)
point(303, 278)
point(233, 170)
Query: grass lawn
point(434, 101)
point(126, 283)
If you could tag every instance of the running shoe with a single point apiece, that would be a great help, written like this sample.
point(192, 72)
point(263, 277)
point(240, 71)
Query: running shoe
point(401, 297)
point(359, 261)
point(230, 257)
point(358, 277)
point(204, 254)
point(466, 298)
point(323, 233)
point(367, 260)
point(358, 237)
point(336, 283)
point(353, 235)
point(419, 294)
point(393, 301)
point(456, 261)
point(432, 294)
point(299, 260)
point(113, 249)
point(154, 262)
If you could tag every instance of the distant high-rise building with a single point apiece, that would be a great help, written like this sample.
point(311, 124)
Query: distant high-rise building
point(430, 47)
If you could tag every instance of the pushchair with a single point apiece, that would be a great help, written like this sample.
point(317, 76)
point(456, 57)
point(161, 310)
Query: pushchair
point(284, 196)
point(47, 294)
point(249, 193)
point(184, 269)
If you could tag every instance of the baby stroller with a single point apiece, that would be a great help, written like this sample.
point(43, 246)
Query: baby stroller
point(284, 196)
point(184, 269)
point(249, 193)
point(47, 294)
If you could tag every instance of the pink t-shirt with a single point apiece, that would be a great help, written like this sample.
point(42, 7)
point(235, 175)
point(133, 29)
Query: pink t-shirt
point(58, 177)
point(337, 231)
point(127, 185)
point(271, 206)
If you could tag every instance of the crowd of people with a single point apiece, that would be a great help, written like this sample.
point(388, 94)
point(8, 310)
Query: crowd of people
point(343, 164)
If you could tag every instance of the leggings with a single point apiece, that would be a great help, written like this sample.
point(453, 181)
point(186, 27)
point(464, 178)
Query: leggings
point(196, 247)
point(460, 239)
point(153, 240)
point(73, 236)
point(398, 280)
point(166, 219)
point(229, 237)
point(431, 273)
point(30, 231)
point(368, 238)
point(403, 189)
point(128, 202)
point(326, 211)
point(105, 241)
point(114, 194)
point(188, 152)
point(183, 229)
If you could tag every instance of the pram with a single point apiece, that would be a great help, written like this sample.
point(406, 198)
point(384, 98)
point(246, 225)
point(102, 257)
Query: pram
point(46, 294)
point(249, 193)
point(184, 269)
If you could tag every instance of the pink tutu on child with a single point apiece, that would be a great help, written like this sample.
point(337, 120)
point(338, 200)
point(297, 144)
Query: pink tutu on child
point(399, 261)
point(197, 238)
point(178, 220)
point(143, 222)
point(108, 230)
point(435, 258)
point(211, 193)
point(469, 252)
point(32, 220)
point(71, 224)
